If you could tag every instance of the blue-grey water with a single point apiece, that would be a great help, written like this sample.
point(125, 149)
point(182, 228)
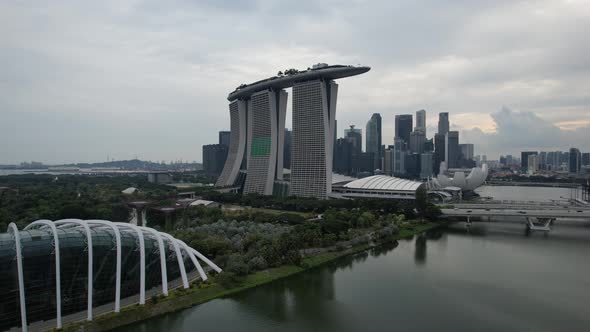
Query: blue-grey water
point(492, 278)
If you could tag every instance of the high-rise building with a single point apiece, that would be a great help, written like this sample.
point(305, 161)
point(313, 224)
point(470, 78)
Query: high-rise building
point(421, 121)
point(532, 163)
point(426, 162)
point(266, 135)
point(524, 159)
point(452, 149)
point(443, 123)
point(224, 137)
point(403, 127)
point(417, 140)
point(388, 161)
point(412, 164)
point(439, 151)
point(314, 111)
point(399, 156)
point(575, 162)
point(467, 151)
point(543, 160)
point(214, 156)
point(373, 143)
point(343, 156)
point(237, 148)
point(257, 113)
point(355, 136)
point(585, 158)
point(429, 145)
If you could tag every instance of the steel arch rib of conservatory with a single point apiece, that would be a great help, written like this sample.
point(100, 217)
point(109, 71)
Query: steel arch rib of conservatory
point(42, 242)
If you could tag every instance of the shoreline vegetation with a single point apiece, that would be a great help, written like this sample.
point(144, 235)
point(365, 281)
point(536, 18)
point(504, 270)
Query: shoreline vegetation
point(255, 239)
point(202, 292)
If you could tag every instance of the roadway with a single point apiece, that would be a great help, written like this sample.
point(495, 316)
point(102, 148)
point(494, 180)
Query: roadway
point(572, 212)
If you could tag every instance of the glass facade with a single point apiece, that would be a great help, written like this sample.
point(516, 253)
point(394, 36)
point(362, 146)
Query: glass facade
point(39, 269)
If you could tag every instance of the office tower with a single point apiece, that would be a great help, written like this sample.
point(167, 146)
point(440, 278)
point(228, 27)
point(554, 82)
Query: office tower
point(452, 149)
point(532, 163)
point(439, 151)
point(524, 160)
point(412, 164)
point(585, 159)
point(426, 162)
point(355, 136)
point(403, 127)
point(373, 143)
point(363, 163)
point(421, 121)
point(467, 151)
point(343, 156)
point(443, 123)
point(388, 161)
point(224, 137)
point(314, 111)
point(429, 145)
point(214, 156)
point(287, 150)
point(575, 162)
point(543, 160)
point(417, 140)
point(399, 156)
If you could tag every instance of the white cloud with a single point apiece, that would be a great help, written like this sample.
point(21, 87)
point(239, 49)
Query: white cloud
point(150, 78)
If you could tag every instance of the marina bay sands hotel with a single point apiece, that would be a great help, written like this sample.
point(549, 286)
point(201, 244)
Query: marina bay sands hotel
point(257, 113)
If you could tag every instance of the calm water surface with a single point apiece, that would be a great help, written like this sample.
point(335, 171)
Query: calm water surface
point(493, 278)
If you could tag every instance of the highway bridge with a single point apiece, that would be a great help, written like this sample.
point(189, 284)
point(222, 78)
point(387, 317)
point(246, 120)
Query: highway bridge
point(538, 216)
point(533, 184)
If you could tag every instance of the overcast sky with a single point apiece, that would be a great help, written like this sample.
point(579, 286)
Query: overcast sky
point(83, 80)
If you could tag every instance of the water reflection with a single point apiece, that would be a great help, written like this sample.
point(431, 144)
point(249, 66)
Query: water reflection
point(420, 251)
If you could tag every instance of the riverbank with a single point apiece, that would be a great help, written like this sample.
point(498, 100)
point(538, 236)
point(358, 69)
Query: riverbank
point(199, 293)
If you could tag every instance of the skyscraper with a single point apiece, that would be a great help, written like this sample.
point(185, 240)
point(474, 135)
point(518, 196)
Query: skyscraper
point(214, 156)
point(466, 151)
point(524, 160)
point(439, 151)
point(373, 143)
point(421, 121)
point(343, 156)
point(403, 127)
point(388, 161)
point(355, 136)
point(266, 114)
point(585, 159)
point(443, 123)
point(224, 137)
point(417, 140)
point(399, 157)
point(314, 112)
point(452, 149)
point(257, 113)
point(575, 163)
point(426, 161)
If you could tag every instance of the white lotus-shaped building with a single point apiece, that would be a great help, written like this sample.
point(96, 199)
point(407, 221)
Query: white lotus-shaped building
point(476, 178)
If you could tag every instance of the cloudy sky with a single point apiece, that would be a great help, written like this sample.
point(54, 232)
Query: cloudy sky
point(83, 80)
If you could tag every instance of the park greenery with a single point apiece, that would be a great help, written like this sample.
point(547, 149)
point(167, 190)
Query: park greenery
point(260, 232)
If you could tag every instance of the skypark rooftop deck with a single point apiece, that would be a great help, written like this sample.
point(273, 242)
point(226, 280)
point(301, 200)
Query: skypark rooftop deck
point(286, 81)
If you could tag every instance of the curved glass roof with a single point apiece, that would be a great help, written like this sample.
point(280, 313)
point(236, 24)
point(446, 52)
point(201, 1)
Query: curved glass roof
point(384, 182)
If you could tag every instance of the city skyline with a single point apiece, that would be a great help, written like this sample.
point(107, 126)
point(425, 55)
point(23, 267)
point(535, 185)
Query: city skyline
point(152, 80)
